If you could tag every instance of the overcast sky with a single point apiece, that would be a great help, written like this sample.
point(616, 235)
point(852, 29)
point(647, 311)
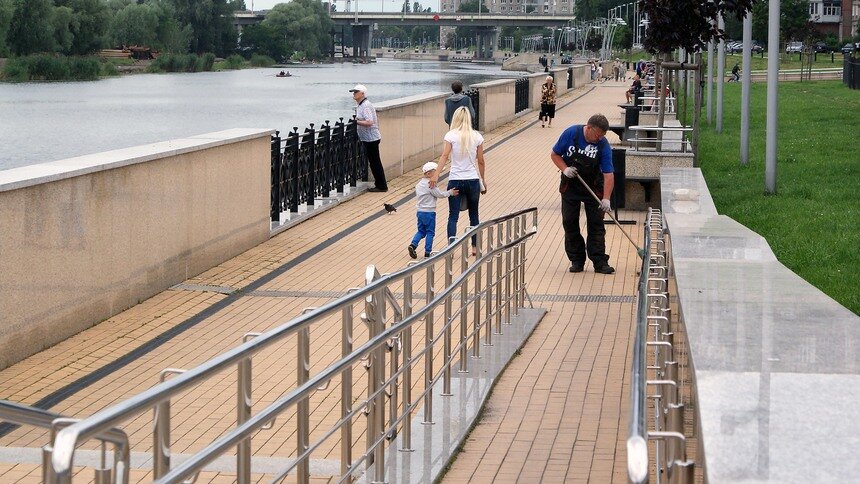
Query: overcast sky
point(365, 5)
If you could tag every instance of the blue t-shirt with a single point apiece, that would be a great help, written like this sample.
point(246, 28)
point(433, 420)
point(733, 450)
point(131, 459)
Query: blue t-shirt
point(572, 141)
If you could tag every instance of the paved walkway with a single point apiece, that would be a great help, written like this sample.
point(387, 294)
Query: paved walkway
point(557, 414)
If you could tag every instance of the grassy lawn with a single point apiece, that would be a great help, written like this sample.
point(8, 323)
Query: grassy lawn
point(813, 222)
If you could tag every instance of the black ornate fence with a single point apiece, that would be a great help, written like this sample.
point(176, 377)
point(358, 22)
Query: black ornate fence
point(570, 77)
point(473, 95)
point(310, 164)
point(521, 94)
point(851, 71)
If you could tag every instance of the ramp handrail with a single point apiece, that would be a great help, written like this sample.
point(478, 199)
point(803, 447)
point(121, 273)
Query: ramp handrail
point(502, 237)
point(21, 414)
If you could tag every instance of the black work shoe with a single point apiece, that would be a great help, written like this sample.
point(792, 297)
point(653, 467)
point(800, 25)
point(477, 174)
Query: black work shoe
point(604, 269)
point(576, 267)
point(376, 190)
point(426, 255)
point(412, 252)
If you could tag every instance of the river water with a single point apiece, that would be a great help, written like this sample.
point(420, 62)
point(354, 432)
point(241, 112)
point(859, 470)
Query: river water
point(42, 122)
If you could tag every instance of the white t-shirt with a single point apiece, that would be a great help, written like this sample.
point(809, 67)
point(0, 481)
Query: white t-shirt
point(463, 165)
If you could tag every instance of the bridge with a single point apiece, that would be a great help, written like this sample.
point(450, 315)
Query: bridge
point(363, 24)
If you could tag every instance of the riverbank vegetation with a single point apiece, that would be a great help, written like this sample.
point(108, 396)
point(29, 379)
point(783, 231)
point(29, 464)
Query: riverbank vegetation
point(54, 68)
point(811, 222)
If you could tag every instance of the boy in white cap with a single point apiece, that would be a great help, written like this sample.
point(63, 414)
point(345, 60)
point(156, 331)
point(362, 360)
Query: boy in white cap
point(426, 202)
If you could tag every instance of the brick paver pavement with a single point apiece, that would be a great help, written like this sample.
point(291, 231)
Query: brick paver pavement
point(557, 414)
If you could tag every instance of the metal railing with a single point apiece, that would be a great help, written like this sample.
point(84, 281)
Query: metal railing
point(26, 415)
point(521, 94)
point(312, 164)
point(653, 329)
point(475, 97)
point(570, 77)
point(851, 71)
point(475, 300)
point(660, 142)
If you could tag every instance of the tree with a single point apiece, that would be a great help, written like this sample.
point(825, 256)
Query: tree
point(793, 19)
point(406, 7)
point(31, 29)
point(64, 23)
point(263, 39)
point(467, 7)
point(519, 32)
point(209, 23)
point(7, 9)
point(136, 24)
point(416, 7)
point(89, 26)
point(304, 25)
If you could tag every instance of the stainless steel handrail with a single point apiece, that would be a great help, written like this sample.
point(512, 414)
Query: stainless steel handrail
point(26, 415)
point(69, 438)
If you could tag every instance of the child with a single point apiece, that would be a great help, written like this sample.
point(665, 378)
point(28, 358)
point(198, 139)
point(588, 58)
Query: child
point(427, 210)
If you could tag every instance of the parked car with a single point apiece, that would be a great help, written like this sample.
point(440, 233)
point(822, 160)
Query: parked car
point(848, 48)
point(821, 48)
point(756, 47)
point(794, 47)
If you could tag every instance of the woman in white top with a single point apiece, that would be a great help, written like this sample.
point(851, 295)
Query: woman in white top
point(465, 147)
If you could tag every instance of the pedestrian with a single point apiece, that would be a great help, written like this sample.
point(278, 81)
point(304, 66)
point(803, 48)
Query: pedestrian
point(547, 102)
point(619, 70)
point(368, 133)
point(600, 72)
point(465, 147)
point(426, 202)
point(736, 73)
point(634, 88)
point(584, 151)
point(456, 100)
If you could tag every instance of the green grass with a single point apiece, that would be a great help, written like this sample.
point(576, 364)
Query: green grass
point(812, 223)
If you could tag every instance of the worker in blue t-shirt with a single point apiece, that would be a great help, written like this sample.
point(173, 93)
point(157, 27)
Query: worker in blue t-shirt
point(583, 150)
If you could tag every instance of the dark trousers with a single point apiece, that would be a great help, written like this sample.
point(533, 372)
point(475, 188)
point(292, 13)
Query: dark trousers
point(372, 150)
point(574, 245)
point(470, 193)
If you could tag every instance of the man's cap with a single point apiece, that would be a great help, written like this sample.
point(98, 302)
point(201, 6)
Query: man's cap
point(359, 88)
point(430, 165)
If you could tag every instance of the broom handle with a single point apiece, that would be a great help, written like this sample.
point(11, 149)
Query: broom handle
point(607, 213)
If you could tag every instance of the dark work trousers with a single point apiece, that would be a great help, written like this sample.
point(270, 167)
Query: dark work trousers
point(372, 150)
point(574, 245)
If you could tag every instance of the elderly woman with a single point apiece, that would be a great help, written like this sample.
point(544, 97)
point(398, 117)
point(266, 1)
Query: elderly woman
point(547, 102)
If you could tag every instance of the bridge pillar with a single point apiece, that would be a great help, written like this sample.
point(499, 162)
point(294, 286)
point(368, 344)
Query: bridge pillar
point(486, 39)
point(361, 35)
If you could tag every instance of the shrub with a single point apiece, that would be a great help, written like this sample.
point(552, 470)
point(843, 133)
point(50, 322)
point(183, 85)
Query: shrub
point(261, 60)
point(48, 68)
point(84, 68)
point(16, 70)
point(235, 61)
point(208, 61)
point(182, 63)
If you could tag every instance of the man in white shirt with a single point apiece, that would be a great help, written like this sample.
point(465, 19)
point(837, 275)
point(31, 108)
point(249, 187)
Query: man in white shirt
point(368, 133)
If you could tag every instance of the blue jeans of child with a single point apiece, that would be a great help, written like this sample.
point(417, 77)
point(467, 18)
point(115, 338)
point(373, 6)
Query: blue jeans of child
point(426, 231)
point(470, 192)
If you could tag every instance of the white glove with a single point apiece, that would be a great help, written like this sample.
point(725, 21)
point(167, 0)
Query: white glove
point(569, 172)
point(605, 206)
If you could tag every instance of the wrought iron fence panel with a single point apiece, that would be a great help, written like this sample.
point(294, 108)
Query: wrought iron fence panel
point(277, 200)
point(570, 77)
point(290, 170)
point(305, 166)
point(473, 95)
point(521, 94)
point(322, 161)
point(338, 155)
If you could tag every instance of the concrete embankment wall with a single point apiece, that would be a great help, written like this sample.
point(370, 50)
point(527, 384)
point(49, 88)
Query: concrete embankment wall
point(85, 238)
point(88, 237)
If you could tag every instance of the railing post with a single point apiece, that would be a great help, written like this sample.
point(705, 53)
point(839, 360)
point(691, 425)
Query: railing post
point(508, 274)
point(310, 189)
point(303, 406)
point(488, 297)
point(346, 394)
point(428, 342)
point(464, 320)
point(407, 375)
point(161, 440)
point(243, 413)
point(378, 370)
point(476, 324)
point(446, 341)
point(327, 181)
point(291, 160)
point(499, 276)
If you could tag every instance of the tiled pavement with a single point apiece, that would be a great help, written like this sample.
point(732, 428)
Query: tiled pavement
point(557, 414)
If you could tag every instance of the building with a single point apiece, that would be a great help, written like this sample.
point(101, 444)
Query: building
point(837, 17)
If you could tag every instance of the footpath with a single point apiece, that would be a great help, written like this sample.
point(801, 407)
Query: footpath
point(557, 414)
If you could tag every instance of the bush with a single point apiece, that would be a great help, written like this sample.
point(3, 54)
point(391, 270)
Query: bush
point(84, 68)
point(182, 63)
point(16, 70)
point(235, 61)
point(49, 68)
point(109, 69)
point(261, 60)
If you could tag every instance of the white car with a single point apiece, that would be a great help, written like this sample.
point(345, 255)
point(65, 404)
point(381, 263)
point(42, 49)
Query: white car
point(794, 47)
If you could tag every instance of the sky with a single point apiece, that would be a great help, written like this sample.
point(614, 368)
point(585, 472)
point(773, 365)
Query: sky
point(365, 5)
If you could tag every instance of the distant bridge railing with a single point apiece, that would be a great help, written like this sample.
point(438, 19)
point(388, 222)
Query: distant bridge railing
point(311, 164)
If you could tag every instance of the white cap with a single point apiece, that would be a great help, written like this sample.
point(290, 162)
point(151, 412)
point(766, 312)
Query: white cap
point(359, 87)
point(430, 165)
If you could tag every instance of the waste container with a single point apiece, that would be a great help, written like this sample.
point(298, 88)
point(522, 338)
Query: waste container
point(619, 163)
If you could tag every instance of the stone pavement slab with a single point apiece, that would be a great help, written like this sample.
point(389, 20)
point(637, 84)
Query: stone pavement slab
point(557, 412)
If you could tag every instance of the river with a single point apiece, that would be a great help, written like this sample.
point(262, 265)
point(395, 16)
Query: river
point(48, 121)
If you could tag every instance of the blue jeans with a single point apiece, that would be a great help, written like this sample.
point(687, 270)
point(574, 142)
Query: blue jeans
point(426, 231)
point(470, 193)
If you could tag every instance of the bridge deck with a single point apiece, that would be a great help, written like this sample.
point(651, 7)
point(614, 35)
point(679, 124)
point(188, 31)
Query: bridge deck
point(557, 414)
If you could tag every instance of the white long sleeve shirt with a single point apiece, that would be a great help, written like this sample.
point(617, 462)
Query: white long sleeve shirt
point(427, 196)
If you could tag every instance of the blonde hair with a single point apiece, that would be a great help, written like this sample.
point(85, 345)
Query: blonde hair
point(462, 122)
point(548, 78)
